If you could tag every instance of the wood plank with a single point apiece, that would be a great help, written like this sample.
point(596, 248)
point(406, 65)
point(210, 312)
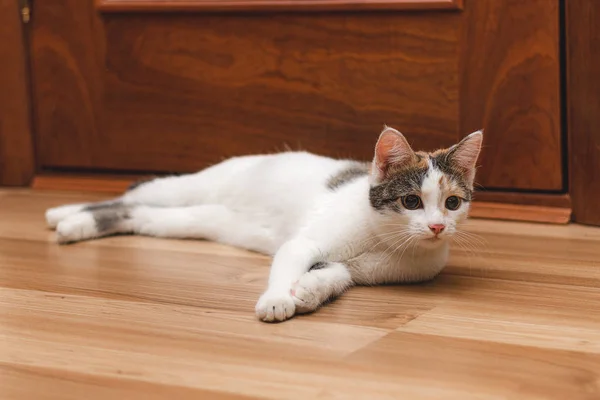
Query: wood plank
point(57, 384)
point(434, 366)
point(583, 88)
point(273, 5)
point(544, 328)
point(17, 164)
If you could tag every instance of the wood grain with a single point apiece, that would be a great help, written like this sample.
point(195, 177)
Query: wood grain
point(141, 318)
point(177, 93)
point(274, 5)
point(510, 86)
point(17, 164)
point(583, 100)
point(66, 53)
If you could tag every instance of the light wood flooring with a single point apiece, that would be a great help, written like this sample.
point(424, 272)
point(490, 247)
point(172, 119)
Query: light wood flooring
point(143, 318)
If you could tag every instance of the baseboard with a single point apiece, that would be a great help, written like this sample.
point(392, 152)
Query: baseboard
point(110, 184)
point(554, 209)
point(520, 212)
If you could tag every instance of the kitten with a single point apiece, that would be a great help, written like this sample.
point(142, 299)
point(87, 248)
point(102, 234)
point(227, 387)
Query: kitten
point(329, 223)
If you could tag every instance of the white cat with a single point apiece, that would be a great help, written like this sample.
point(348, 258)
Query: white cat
point(329, 223)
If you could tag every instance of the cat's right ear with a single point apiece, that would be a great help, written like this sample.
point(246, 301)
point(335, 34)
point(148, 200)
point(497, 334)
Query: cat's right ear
point(392, 150)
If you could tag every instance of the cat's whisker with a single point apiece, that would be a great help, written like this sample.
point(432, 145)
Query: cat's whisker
point(472, 250)
point(395, 249)
point(409, 241)
point(476, 239)
point(469, 258)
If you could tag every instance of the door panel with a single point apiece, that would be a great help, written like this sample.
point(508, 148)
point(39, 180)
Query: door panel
point(179, 91)
point(16, 143)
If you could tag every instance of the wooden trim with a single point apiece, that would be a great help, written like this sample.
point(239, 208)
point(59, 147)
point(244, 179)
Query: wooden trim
point(273, 5)
point(515, 212)
point(17, 161)
point(562, 200)
point(583, 116)
point(115, 184)
point(112, 184)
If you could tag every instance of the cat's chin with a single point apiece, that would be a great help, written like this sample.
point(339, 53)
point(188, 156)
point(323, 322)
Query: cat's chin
point(432, 242)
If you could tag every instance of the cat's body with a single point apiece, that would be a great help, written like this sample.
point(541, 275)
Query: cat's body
point(329, 223)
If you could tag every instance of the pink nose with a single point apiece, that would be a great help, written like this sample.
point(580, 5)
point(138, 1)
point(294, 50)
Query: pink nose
point(437, 228)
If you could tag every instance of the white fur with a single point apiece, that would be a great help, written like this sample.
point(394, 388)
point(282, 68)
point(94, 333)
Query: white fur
point(280, 204)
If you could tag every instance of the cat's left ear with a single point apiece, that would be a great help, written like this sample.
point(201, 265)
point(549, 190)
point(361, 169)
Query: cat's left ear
point(463, 155)
point(391, 151)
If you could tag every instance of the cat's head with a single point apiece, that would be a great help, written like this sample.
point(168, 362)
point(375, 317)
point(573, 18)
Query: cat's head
point(423, 195)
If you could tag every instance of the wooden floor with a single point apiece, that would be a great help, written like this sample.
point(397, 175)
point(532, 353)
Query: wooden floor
point(141, 318)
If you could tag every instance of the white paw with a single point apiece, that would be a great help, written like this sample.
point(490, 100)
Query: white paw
point(308, 293)
point(57, 214)
point(76, 227)
point(275, 306)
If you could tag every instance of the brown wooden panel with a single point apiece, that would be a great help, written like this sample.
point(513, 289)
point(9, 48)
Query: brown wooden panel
point(16, 144)
point(510, 86)
point(67, 51)
point(583, 101)
point(274, 5)
point(176, 93)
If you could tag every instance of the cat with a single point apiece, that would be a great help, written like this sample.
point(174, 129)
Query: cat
point(329, 223)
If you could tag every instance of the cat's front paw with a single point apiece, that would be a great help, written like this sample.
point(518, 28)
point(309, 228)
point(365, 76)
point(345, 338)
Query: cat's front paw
point(307, 294)
point(275, 306)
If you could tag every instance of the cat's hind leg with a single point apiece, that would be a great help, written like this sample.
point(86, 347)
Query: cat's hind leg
point(212, 222)
point(171, 191)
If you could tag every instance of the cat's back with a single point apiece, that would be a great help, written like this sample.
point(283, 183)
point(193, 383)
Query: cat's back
point(291, 181)
point(295, 167)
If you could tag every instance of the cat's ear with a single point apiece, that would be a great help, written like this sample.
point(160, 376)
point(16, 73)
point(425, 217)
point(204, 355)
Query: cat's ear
point(463, 155)
point(391, 150)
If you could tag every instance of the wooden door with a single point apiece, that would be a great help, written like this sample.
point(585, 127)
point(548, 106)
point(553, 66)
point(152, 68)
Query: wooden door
point(173, 86)
point(16, 143)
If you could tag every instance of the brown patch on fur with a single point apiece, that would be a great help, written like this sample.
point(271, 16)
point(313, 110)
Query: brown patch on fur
point(442, 160)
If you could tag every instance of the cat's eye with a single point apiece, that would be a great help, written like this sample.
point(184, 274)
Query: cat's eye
point(453, 203)
point(411, 202)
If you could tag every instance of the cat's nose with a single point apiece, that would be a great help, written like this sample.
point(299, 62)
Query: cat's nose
point(437, 228)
